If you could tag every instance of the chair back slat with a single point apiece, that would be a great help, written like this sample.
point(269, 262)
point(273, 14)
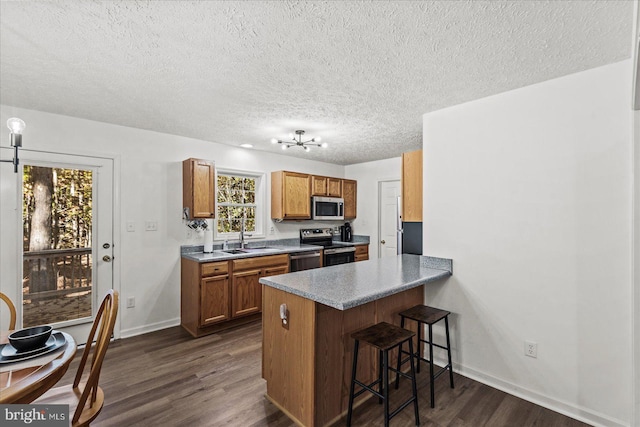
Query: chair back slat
point(103, 323)
point(12, 310)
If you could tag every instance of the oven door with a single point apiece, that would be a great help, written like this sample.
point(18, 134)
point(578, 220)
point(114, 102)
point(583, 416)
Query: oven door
point(339, 256)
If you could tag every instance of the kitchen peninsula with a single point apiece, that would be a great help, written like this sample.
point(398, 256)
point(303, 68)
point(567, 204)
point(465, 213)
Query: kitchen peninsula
point(306, 358)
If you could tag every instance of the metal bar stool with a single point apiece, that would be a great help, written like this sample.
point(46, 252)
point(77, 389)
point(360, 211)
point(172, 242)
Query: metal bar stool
point(427, 315)
point(383, 336)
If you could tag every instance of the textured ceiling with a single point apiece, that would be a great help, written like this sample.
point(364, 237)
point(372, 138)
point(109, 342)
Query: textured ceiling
point(358, 74)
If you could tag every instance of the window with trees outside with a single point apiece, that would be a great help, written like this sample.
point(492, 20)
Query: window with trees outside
point(239, 196)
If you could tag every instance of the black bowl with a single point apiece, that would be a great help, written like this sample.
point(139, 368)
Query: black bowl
point(30, 338)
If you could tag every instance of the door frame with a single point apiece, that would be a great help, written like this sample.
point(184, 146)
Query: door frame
point(116, 228)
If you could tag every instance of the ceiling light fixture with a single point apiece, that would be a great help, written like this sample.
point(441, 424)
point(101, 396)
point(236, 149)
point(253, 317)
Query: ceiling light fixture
point(298, 142)
point(246, 145)
point(16, 126)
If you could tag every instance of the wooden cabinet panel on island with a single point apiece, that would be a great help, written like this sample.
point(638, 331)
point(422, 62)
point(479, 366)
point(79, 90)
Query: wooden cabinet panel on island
point(198, 188)
point(290, 195)
point(326, 186)
point(350, 196)
point(246, 294)
point(412, 186)
point(362, 253)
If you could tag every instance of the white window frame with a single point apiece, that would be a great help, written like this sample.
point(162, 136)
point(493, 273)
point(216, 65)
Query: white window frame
point(261, 181)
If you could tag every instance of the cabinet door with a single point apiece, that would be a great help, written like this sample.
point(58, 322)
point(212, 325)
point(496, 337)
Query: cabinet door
point(297, 196)
point(362, 253)
point(214, 300)
point(326, 186)
point(349, 193)
point(246, 293)
point(198, 188)
point(318, 185)
point(334, 187)
point(412, 186)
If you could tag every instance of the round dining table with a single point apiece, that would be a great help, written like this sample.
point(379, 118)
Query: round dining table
point(25, 381)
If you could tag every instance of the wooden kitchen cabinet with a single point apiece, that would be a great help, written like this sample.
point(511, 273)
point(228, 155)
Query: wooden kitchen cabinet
point(326, 186)
point(198, 188)
point(350, 196)
point(204, 296)
point(412, 186)
point(219, 295)
point(362, 253)
point(290, 195)
point(214, 293)
point(246, 294)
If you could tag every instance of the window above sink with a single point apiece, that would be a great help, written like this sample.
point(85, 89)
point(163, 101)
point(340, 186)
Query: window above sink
point(239, 194)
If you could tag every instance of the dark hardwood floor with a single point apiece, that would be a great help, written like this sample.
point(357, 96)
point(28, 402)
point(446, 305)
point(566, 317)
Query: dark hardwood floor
point(168, 378)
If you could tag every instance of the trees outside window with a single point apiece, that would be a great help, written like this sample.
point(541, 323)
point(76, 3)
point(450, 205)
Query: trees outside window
point(239, 196)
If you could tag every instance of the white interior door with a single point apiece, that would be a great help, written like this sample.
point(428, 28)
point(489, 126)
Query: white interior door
point(388, 200)
point(53, 285)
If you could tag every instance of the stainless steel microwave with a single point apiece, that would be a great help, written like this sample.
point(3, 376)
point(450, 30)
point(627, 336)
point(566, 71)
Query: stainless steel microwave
point(327, 208)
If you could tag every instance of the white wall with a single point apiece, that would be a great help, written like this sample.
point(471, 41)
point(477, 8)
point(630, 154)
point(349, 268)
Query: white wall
point(149, 188)
point(369, 175)
point(636, 269)
point(529, 192)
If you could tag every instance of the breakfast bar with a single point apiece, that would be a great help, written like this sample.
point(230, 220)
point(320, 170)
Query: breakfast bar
point(309, 316)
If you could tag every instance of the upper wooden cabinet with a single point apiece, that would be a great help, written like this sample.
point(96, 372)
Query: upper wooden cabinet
point(412, 186)
point(326, 186)
point(290, 195)
point(198, 188)
point(350, 196)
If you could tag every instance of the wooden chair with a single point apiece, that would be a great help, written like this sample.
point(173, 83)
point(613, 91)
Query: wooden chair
point(12, 311)
point(86, 400)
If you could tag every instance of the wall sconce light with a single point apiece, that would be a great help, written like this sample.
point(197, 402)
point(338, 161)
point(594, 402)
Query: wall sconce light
point(16, 126)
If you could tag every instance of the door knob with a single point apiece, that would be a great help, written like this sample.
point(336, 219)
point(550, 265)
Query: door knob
point(383, 242)
point(106, 258)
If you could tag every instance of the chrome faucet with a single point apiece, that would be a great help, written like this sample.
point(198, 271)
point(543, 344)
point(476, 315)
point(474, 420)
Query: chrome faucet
point(242, 233)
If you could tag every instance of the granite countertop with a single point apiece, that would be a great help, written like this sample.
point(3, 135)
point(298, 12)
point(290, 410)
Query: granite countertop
point(219, 255)
point(263, 248)
point(349, 285)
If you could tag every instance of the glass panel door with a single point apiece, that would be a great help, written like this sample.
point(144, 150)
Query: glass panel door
point(57, 255)
point(56, 222)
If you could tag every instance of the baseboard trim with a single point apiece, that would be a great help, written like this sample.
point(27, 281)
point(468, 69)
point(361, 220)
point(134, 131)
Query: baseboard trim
point(579, 413)
point(128, 333)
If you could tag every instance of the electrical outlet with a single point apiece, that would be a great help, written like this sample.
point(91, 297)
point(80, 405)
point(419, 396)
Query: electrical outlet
point(131, 302)
point(272, 230)
point(531, 349)
point(131, 226)
point(151, 226)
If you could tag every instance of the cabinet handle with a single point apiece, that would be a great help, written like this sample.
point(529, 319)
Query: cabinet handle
point(284, 314)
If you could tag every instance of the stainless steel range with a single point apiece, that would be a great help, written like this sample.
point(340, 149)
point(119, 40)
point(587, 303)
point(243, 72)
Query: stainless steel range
point(334, 253)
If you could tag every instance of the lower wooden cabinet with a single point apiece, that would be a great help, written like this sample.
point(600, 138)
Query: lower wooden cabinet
point(214, 298)
point(362, 252)
point(219, 295)
point(246, 288)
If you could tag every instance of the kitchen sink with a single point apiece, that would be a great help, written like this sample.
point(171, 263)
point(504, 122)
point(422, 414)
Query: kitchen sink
point(250, 250)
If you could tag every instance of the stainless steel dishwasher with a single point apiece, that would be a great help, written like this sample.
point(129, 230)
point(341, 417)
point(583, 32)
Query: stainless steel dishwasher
point(299, 261)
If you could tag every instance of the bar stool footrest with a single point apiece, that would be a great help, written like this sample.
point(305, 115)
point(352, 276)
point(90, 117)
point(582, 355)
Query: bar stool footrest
point(368, 388)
